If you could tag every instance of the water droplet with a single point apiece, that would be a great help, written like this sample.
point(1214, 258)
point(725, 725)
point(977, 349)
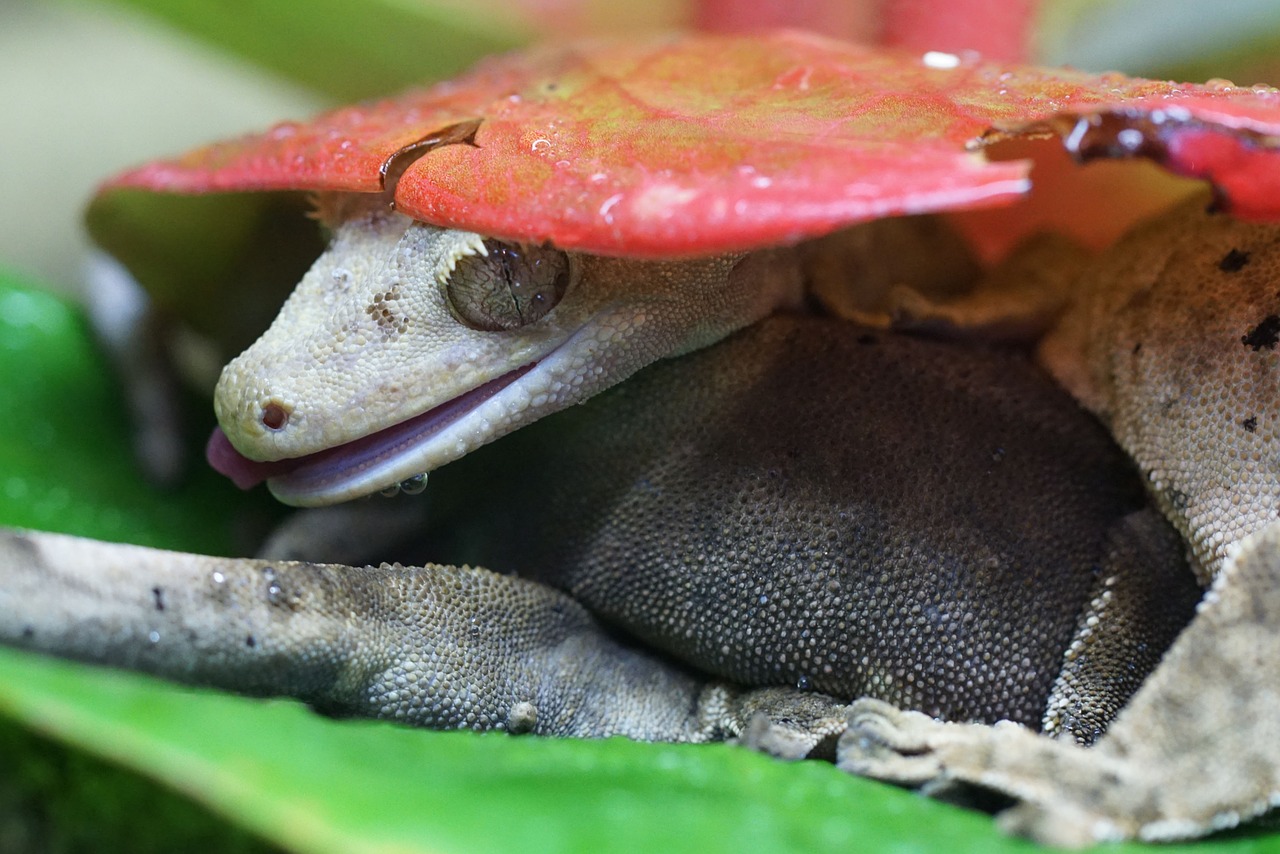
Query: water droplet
point(414, 485)
point(939, 59)
point(153, 637)
point(284, 130)
point(274, 591)
point(1130, 139)
point(607, 205)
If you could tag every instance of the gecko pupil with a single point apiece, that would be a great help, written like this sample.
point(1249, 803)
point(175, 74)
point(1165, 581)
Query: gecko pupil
point(510, 287)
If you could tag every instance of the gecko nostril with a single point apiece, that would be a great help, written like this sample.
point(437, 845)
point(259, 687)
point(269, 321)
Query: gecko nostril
point(274, 416)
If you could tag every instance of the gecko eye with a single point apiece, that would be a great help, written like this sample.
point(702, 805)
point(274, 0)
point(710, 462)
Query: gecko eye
point(510, 287)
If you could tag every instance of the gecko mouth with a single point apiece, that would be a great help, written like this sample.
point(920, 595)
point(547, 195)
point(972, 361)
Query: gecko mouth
point(340, 469)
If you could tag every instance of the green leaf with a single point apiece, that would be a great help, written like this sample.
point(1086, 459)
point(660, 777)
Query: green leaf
point(65, 461)
point(320, 785)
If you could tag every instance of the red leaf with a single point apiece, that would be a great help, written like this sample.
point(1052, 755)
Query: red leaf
point(712, 143)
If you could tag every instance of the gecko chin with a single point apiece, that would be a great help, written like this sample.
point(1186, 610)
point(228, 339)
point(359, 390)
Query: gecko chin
point(382, 459)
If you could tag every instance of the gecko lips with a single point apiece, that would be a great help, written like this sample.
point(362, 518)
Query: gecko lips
point(371, 462)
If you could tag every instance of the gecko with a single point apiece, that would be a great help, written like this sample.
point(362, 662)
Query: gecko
point(673, 560)
point(879, 735)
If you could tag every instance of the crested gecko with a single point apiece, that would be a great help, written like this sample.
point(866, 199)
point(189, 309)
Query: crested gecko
point(1193, 460)
point(673, 560)
point(430, 342)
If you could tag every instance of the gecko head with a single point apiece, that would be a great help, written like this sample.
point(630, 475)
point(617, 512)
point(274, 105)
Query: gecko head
point(406, 346)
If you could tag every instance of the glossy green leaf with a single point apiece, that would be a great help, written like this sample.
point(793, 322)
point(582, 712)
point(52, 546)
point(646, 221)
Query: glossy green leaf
point(65, 462)
point(319, 785)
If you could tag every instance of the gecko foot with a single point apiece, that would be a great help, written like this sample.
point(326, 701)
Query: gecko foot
point(1048, 780)
point(886, 743)
point(791, 724)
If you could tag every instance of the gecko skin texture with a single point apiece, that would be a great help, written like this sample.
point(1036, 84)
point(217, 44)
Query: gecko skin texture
point(1171, 340)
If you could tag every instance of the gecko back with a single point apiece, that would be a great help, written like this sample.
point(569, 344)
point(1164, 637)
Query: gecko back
point(812, 504)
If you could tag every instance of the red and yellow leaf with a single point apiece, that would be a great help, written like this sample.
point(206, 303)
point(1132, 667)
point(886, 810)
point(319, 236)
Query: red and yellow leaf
point(702, 144)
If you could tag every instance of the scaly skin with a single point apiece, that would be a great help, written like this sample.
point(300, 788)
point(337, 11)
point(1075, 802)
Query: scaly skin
point(1172, 342)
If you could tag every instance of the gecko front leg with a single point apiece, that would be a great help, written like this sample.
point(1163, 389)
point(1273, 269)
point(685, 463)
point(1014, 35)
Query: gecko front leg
point(438, 646)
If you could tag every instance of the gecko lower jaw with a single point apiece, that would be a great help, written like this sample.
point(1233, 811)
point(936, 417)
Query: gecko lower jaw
point(363, 466)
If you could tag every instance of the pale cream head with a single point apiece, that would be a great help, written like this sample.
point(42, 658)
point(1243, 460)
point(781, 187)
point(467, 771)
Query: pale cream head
point(399, 318)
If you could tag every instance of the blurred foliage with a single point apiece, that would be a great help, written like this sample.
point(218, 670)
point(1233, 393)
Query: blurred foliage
point(1192, 40)
point(348, 50)
point(57, 799)
point(353, 50)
